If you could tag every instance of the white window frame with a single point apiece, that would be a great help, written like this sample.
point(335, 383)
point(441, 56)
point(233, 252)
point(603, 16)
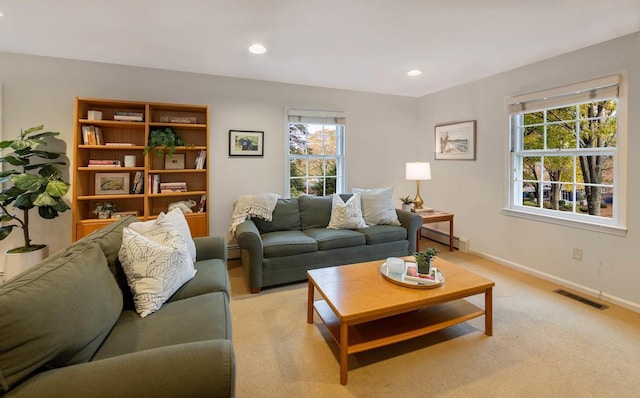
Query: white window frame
point(311, 116)
point(555, 98)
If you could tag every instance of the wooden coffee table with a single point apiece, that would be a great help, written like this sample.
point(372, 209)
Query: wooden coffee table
point(362, 310)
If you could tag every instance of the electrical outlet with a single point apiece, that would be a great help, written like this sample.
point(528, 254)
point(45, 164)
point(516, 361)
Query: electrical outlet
point(577, 254)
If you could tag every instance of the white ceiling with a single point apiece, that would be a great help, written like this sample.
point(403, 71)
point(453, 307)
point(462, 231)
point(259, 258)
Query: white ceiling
point(365, 45)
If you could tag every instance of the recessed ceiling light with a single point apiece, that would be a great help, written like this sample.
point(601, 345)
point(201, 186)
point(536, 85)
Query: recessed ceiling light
point(257, 49)
point(414, 72)
point(1, 14)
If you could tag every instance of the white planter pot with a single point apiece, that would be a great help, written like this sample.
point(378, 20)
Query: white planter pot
point(16, 263)
point(406, 206)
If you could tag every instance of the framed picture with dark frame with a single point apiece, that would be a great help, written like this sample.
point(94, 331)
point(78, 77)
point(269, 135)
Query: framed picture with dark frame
point(246, 143)
point(456, 141)
point(112, 183)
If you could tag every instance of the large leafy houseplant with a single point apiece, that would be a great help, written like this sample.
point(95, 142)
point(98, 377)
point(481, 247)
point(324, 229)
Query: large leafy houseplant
point(34, 180)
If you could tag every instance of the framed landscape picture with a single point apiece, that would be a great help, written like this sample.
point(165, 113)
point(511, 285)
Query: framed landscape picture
point(112, 183)
point(456, 141)
point(246, 143)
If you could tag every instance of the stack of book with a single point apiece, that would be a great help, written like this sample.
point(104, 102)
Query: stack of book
point(129, 116)
point(104, 163)
point(173, 187)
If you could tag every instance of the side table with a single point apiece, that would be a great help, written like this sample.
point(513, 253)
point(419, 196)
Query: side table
point(432, 216)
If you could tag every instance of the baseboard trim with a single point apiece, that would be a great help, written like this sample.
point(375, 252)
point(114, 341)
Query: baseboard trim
point(635, 307)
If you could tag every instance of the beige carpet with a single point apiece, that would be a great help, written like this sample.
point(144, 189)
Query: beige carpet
point(544, 345)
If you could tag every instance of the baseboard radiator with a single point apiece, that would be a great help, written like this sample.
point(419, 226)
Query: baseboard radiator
point(459, 243)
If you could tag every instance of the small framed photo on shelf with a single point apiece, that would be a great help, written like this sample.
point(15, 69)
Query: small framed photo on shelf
point(175, 162)
point(246, 143)
point(456, 141)
point(112, 183)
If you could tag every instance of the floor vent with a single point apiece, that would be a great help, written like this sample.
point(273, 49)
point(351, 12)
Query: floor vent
point(581, 299)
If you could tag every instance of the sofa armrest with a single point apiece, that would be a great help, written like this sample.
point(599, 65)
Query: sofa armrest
point(412, 222)
point(199, 369)
point(251, 253)
point(209, 247)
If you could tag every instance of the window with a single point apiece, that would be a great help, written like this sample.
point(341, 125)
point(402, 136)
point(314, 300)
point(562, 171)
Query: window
point(315, 153)
point(565, 154)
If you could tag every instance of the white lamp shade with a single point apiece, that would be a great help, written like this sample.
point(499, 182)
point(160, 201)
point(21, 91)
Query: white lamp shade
point(418, 171)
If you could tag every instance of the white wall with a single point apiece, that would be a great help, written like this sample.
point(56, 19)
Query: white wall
point(475, 190)
point(380, 128)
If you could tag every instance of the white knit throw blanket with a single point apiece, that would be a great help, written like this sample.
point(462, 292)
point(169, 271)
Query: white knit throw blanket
point(246, 206)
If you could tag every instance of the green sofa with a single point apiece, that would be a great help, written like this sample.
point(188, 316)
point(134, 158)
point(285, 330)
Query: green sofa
point(297, 239)
point(68, 328)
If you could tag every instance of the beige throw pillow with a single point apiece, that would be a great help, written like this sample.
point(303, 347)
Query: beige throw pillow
point(346, 215)
point(377, 206)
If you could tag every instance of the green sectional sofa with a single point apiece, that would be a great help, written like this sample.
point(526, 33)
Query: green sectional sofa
point(68, 328)
point(297, 239)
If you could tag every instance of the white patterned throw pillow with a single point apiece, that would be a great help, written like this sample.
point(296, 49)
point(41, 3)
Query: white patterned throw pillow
point(156, 263)
point(377, 206)
point(346, 215)
point(179, 223)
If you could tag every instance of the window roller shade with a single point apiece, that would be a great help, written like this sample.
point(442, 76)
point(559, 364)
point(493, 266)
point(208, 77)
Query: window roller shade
point(605, 88)
point(316, 117)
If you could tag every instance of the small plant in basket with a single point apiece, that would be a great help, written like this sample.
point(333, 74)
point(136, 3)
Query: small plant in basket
point(104, 209)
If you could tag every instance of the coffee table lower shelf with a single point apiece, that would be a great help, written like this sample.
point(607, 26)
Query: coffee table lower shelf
point(396, 328)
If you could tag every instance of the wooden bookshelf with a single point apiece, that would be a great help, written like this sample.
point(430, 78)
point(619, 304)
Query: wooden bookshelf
point(192, 124)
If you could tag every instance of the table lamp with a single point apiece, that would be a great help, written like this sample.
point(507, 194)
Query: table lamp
point(418, 171)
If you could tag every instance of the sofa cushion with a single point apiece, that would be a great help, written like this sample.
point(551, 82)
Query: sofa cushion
point(211, 276)
point(285, 217)
point(377, 206)
point(315, 211)
point(57, 313)
point(287, 243)
point(336, 238)
point(377, 234)
point(198, 318)
point(156, 264)
point(346, 215)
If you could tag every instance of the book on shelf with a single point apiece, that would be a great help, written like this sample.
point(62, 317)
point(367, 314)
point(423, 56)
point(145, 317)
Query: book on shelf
point(92, 135)
point(118, 144)
point(104, 163)
point(129, 116)
point(203, 203)
point(173, 187)
point(154, 183)
point(200, 159)
point(179, 119)
point(138, 183)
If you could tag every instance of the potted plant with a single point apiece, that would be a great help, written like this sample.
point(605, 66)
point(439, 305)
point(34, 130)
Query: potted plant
point(104, 209)
point(406, 203)
point(423, 259)
point(163, 139)
point(34, 180)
